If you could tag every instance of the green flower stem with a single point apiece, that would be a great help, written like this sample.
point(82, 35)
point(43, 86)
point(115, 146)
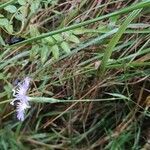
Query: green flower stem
point(53, 100)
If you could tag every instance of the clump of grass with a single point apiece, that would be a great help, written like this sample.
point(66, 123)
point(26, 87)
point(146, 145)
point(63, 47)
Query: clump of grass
point(89, 64)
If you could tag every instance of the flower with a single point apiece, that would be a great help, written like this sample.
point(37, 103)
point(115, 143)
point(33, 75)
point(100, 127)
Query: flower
point(22, 99)
point(21, 107)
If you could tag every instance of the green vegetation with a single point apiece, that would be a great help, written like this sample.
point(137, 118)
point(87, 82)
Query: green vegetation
point(89, 64)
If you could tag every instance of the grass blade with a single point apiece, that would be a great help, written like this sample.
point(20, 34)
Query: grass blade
point(114, 41)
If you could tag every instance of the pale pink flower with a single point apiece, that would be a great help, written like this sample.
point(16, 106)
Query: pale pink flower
point(20, 94)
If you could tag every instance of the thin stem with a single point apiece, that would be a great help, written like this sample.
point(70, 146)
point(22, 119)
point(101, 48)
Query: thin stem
point(6, 4)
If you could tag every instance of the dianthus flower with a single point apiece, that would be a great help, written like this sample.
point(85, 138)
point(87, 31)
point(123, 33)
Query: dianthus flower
point(20, 94)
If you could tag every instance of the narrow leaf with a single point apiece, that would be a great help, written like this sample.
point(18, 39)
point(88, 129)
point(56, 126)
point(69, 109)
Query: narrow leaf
point(65, 47)
point(113, 42)
point(11, 8)
point(73, 39)
point(55, 51)
point(44, 53)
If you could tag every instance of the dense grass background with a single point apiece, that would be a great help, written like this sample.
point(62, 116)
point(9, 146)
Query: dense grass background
point(89, 65)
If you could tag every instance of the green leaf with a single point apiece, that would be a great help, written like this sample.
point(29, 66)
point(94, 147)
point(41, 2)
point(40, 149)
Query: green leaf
point(19, 17)
point(73, 39)
point(34, 31)
point(49, 40)
point(35, 6)
point(2, 41)
point(24, 10)
point(45, 52)
point(58, 37)
point(55, 51)
point(34, 51)
point(11, 8)
point(4, 22)
point(65, 47)
point(79, 31)
point(9, 28)
point(22, 2)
